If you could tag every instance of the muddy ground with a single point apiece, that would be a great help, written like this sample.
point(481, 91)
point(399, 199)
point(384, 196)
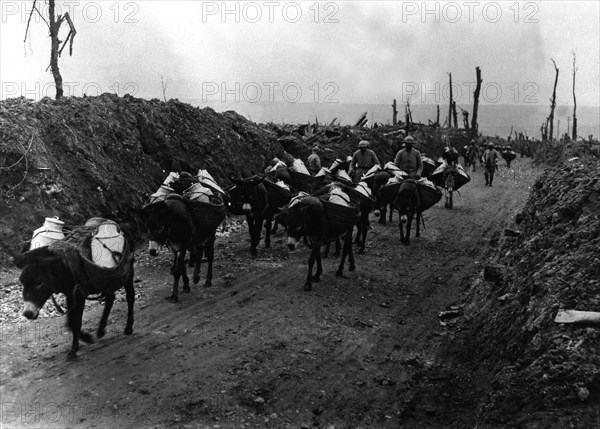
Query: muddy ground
point(255, 350)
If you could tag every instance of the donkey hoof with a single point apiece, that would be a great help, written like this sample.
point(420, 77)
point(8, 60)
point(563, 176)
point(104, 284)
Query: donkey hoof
point(339, 273)
point(307, 287)
point(128, 330)
point(352, 267)
point(207, 283)
point(172, 298)
point(71, 356)
point(86, 338)
point(196, 280)
point(100, 332)
point(186, 289)
point(316, 279)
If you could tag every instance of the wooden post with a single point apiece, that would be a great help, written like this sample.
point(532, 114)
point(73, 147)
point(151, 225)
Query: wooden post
point(394, 113)
point(474, 125)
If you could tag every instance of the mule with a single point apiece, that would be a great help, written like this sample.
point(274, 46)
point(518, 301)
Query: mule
point(46, 272)
point(408, 204)
point(171, 222)
point(375, 183)
point(307, 216)
point(259, 202)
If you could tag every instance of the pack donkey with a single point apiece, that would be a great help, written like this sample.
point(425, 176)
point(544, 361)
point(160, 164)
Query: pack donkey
point(171, 222)
point(61, 268)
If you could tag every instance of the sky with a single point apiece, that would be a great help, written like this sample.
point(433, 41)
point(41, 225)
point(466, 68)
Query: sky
point(312, 52)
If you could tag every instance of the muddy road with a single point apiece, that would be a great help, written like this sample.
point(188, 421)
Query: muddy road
point(255, 350)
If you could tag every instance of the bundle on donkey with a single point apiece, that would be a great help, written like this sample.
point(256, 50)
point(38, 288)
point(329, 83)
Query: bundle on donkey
point(70, 267)
point(320, 221)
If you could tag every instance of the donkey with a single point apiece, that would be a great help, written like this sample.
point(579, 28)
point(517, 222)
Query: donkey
point(45, 272)
point(171, 222)
point(408, 204)
point(259, 201)
point(307, 216)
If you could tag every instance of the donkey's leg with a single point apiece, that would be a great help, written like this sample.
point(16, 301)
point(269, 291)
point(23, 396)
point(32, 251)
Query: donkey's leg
point(401, 227)
point(184, 276)
point(75, 314)
point(351, 267)
point(130, 295)
point(317, 276)
point(108, 303)
point(179, 269)
point(255, 232)
point(268, 223)
point(315, 248)
point(382, 214)
point(391, 213)
point(210, 256)
point(409, 219)
point(419, 214)
point(197, 263)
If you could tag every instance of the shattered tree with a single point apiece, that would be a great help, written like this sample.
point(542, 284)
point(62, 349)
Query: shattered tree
point(574, 133)
point(474, 124)
point(56, 49)
point(552, 105)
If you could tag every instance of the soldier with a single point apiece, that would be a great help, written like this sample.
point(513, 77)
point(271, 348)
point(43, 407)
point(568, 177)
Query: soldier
point(490, 160)
point(362, 161)
point(409, 159)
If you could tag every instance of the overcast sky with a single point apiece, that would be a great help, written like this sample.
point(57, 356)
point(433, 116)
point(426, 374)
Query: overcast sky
point(349, 52)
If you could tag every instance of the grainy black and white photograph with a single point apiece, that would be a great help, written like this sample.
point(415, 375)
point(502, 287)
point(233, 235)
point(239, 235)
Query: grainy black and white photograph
point(299, 214)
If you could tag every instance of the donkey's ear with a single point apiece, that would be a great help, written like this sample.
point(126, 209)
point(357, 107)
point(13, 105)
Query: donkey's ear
point(34, 256)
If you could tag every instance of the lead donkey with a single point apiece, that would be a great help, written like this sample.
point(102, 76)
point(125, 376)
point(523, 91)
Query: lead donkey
point(63, 267)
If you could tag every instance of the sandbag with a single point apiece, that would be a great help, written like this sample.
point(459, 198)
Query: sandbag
point(428, 194)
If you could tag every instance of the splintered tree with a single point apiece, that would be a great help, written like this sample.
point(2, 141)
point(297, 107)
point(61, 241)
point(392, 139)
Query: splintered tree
point(56, 49)
point(474, 125)
point(552, 105)
point(450, 105)
point(163, 85)
point(574, 133)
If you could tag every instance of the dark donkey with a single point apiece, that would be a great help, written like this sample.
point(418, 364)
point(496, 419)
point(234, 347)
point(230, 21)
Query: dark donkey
point(46, 271)
point(171, 222)
point(258, 199)
point(308, 216)
point(408, 204)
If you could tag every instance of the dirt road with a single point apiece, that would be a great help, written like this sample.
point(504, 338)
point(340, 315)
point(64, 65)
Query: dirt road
point(255, 350)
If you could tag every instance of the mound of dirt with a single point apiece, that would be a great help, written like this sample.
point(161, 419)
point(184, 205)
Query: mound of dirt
point(76, 158)
point(543, 374)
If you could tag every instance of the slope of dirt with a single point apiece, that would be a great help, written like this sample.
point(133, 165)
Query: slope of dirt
point(255, 350)
point(102, 156)
point(544, 374)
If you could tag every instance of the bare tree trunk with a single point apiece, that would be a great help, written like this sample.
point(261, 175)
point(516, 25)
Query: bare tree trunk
point(437, 121)
point(54, 22)
point(454, 114)
point(450, 105)
point(553, 104)
point(574, 133)
point(474, 124)
point(466, 119)
point(54, 27)
point(394, 113)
